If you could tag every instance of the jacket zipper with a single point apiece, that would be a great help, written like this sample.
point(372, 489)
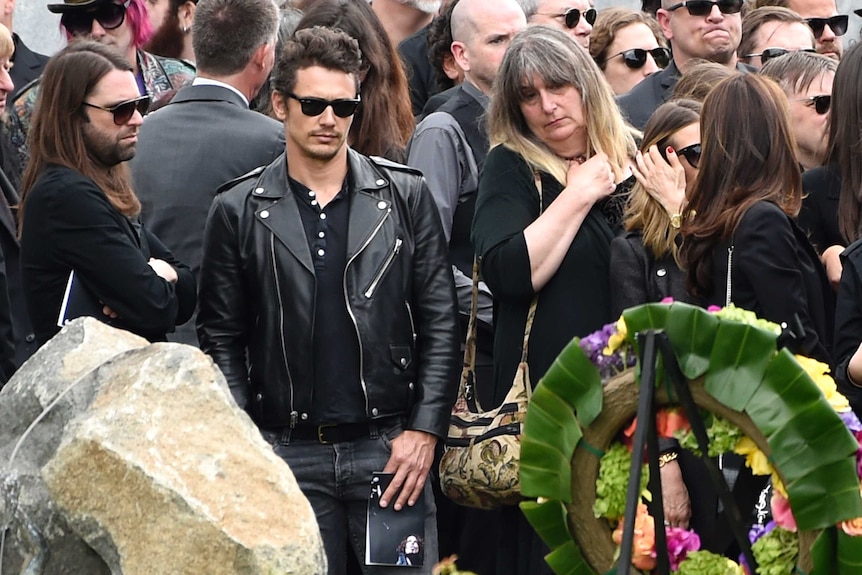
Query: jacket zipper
point(410, 317)
point(388, 262)
point(293, 413)
point(350, 309)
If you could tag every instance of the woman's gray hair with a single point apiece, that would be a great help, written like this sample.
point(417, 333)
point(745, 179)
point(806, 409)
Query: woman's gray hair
point(555, 58)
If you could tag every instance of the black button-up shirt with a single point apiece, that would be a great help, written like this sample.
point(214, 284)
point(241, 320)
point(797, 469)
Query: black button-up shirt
point(338, 396)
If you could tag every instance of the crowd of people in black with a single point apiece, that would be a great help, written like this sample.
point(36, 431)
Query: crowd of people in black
point(301, 191)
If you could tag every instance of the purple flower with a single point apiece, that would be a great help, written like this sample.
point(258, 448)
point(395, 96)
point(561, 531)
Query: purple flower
point(851, 421)
point(680, 542)
point(756, 532)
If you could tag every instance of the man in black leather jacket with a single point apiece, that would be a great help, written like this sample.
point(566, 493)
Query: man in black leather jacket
point(328, 302)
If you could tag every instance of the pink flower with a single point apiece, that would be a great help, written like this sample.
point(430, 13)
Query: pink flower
point(680, 542)
point(667, 300)
point(781, 512)
point(713, 309)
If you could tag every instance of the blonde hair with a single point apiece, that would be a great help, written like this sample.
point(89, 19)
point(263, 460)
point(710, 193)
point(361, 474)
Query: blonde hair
point(7, 45)
point(558, 60)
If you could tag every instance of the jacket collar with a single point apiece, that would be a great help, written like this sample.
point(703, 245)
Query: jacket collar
point(208, 93)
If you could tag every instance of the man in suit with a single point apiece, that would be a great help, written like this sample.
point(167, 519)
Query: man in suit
point(28, 65)
point(713, 35)
point(207, 135)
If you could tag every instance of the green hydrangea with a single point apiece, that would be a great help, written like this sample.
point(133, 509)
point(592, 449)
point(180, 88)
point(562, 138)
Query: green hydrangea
point(745, 316)
point(612, 483)
point(706, 563)
point(722, 434)
point(776, 552)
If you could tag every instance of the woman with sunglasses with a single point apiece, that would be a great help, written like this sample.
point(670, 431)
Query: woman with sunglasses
point(542, 225)
point(644, 264)
point(741, 244)
point(628, 46)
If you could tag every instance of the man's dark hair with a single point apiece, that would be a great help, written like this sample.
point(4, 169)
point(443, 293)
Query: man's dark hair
point(440, 45)
point(317, 46)
point(226, 33)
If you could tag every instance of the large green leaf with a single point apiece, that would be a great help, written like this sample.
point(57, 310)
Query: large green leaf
point(543, 472)
point(824, 553)
point(691, 331)
point(739, 358)
point(784, 390)
point(849, 554)
point(550, 520)
point(826, 496)
point(644, 317)
point(575, 379)
point(814, 435)
point(567, 560)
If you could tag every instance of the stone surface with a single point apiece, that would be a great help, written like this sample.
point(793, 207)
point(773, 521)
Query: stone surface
point(140, 462)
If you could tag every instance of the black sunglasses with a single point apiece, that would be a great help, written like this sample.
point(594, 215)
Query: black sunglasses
point(820, 103)
point(124, 111)
point(342, 108)
point(636, 57)
point(770, 53)
point(107, 14)
point(838, 24)
point(704, 7)
point(691, 154)
point(573, 16)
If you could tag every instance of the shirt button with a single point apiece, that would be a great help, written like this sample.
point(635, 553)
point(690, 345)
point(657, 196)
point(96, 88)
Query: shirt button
point(321, 234)
point(258, 190)
point(322, 216)
point(380, 182)
point(304, 417)
point(374, 412)
point(320, 253)
point(313, 202)
point(310, 194)
point(661, 272)
point(381, 205)
point(264, 214)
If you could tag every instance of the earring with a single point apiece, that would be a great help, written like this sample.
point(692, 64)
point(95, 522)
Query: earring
point(185, 29)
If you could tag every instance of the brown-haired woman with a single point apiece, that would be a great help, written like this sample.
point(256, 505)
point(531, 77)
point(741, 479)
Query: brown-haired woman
point(644, 264)
point(383, 123)
point(743, 245)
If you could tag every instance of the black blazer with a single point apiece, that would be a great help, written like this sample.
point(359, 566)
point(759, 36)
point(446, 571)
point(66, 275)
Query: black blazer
point(70, 225)
point(819, 214)
point(28, 66)
point(848, 322)
point(637, 277)
point(776, 273)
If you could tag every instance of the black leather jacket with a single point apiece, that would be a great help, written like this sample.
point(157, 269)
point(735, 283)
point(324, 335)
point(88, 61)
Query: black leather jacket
point(257, 289)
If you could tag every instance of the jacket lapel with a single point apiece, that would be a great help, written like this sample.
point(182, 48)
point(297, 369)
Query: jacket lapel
point(367, 210)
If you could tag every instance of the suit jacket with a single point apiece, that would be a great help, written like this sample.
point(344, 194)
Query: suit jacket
point(205, 137)
point(638, 104)
point(28, 66)
point(69, 225)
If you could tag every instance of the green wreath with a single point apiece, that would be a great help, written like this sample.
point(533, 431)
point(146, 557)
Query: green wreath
point(735, 372)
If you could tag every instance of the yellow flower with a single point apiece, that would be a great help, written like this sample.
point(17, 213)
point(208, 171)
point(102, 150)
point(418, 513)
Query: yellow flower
point(754, 458)
point(778, 485)
point(734, 568)
point(617, 340)
point(819, 372)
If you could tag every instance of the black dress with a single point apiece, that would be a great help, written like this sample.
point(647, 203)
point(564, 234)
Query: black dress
point(575, 302)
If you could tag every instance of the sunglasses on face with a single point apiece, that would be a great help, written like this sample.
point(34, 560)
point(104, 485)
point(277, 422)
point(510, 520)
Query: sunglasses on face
point(107, 14)
point(820, 103)
point(342, 108)
point(838, 25)
point(770, 53)
point(124, 111)
point(572, 16)
point(704, 7)
point(691, 154)
point(637, 57)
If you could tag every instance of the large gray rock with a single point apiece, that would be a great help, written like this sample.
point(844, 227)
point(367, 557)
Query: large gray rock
point(158, 471)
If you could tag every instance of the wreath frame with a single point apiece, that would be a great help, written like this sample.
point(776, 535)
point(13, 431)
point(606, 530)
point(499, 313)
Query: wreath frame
point(735, 371)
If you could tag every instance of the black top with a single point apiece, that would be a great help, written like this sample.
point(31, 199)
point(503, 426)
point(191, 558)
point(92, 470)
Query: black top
point(28, 66)
point(70, 225)
point(337, 396)
point(819, 214)
point(637, 277)
point(848, 322)
point(420, 74)
point(776, 273)
point(575, 302)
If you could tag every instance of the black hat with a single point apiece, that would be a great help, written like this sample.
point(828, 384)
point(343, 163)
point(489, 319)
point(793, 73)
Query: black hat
point(69, 5)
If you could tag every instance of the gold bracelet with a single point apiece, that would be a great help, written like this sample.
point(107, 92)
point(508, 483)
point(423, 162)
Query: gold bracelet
point(666, 458)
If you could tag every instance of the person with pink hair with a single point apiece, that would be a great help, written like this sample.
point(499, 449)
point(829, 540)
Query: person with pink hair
point(121, 24)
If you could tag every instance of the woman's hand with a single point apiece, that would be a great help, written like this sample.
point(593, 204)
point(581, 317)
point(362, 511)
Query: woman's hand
point(677, 506)
point(593, 177)
point(663, 180)
point(164, 270)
